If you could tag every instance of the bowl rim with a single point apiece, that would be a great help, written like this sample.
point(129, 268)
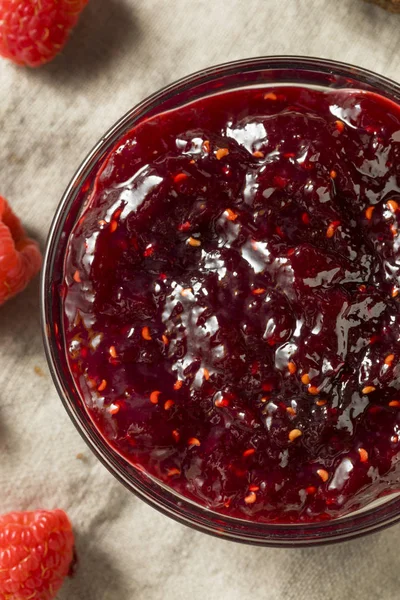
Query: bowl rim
point(166, 500)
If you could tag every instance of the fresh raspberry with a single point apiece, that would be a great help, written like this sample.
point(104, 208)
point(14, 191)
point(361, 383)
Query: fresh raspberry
point(36, 553)
point(20, 257)
point(32, 32)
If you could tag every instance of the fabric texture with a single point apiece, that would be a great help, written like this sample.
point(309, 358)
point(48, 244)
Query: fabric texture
point(121, 51)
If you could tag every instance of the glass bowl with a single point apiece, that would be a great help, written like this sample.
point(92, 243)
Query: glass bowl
point(249, 72)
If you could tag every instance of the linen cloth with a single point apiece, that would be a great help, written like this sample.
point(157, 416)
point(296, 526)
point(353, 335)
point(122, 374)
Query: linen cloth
point(50, 118)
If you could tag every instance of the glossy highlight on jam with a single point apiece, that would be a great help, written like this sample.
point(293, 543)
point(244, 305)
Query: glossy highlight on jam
point(231, 301)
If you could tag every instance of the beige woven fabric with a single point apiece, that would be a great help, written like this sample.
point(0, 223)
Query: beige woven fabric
point(49, 118)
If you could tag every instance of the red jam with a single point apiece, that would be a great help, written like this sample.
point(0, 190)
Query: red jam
point(232, 301)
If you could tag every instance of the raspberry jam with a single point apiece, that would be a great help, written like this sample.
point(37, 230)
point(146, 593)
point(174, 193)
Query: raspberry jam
point(231, 301)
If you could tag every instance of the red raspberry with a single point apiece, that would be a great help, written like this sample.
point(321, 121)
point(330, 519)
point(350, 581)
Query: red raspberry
point(32, 32)
point(20, 258)
point(36, 552)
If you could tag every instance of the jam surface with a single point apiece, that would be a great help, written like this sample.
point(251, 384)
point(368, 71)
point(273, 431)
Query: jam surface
point(231, 301)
